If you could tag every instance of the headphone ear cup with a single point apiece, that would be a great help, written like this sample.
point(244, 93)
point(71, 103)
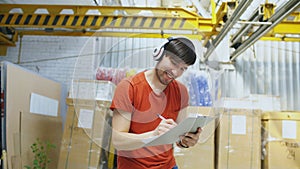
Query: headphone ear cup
point(158, 53)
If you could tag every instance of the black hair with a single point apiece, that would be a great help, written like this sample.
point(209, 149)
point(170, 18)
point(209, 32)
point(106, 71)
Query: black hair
point(182, 48)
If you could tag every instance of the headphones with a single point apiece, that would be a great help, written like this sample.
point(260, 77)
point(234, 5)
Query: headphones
point(159, 51)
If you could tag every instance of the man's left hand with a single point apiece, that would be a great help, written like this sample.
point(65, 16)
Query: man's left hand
point(189, 139)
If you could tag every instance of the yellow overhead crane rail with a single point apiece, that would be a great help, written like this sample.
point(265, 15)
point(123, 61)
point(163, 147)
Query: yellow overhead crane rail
point(86, 20)
point(290, 25)
point(150, 22)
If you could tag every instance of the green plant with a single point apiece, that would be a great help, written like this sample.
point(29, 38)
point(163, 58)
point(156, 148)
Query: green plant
point(40, 149)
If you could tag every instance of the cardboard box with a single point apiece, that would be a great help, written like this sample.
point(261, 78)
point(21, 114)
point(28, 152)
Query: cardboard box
point(238, 139)
point(281, 140)
point(21, 125)
point(37, 128)
point(258, 102)
point(92, 89)
point(84, 136)
point(265, 102)
point(202, 154)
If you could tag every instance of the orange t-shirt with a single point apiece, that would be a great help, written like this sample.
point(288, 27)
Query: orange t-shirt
point(135, 95)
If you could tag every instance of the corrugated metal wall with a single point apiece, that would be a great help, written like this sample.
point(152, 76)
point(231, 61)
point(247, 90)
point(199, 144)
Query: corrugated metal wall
point(126, 52)
point(271, 68)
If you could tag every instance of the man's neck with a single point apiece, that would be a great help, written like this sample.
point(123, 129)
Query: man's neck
point(154, 82)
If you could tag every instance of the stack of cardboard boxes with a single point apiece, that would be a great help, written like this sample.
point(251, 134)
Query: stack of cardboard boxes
point(250, 133)
point(234, 140)
point(87, 131)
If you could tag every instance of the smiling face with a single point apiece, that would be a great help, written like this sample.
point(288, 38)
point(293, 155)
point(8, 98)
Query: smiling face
point(169, 68)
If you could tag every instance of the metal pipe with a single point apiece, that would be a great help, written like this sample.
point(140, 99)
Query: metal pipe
point(276, 18)
point(255, 22)
point(228, 25)
point(245, 28)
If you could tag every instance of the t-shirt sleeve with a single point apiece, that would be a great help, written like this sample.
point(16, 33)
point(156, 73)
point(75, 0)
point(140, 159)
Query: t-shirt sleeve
point(123, 97)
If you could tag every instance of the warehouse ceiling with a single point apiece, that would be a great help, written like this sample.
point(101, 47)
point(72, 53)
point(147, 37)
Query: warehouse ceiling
point(246, 21)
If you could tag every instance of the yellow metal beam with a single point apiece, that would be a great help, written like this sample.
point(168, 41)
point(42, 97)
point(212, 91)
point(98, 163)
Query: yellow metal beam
point(294, 16)
point(100, 10)
point(65, 20)
point(221, 13)
point(267, 10)
point(6, 41)
point(213, 13)
point(109, 34)
point(97, 22)
point(287, 39)
point(82, 17)
point(287, 27)
point(3, 50)
point(217, 19)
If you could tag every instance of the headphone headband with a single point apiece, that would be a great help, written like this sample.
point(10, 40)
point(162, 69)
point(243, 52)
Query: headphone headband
point(159, 51)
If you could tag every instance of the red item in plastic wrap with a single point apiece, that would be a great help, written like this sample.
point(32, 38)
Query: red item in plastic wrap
point(110, 74)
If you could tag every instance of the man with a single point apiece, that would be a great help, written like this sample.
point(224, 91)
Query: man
point(139, 101)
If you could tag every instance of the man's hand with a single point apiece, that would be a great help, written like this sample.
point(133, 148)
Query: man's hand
point(189, 139)
point(164, 126)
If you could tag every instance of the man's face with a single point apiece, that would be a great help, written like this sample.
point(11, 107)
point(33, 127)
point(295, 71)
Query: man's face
point(169, 69)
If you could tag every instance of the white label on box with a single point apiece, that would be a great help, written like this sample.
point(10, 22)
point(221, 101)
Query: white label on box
point(238, 125)
point(43, 105)
point(85, 119)
point(289, 129)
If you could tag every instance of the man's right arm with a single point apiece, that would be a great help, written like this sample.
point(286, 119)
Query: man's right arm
point(123, 140)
